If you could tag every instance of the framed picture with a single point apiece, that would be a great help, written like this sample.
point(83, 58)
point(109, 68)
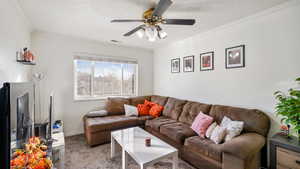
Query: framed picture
point(188, 64)
point(235, 57)
point(175, 65)
point(207, 61)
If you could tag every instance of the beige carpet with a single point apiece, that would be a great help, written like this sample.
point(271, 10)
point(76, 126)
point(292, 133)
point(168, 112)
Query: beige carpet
point(80, 156)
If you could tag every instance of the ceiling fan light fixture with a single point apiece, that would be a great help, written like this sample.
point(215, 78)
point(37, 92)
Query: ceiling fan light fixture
point(152, 39)
point(152, 19)
point(141, 33)
point(151, 33)
point(162, 34)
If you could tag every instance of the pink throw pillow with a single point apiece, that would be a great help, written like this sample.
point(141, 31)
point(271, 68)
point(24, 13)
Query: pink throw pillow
point(201, 123)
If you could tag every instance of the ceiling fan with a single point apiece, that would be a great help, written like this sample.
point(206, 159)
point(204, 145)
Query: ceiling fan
point(152, 18)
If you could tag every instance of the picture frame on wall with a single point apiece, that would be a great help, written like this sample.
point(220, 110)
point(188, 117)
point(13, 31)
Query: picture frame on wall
point(207, 61)
point(188, 64)
point(175, 65)
point(235, 57)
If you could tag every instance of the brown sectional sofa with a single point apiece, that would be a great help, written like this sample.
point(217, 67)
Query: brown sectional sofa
point(242, 152)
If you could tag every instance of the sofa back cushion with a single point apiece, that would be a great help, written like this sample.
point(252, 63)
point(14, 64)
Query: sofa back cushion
point(139, 100)
point(161, 100)
point(173, 108)
point(191, 110)
point(254, 120)
point(115, 105)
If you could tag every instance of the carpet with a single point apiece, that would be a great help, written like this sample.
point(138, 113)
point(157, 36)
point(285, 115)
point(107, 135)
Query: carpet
point(79, 155)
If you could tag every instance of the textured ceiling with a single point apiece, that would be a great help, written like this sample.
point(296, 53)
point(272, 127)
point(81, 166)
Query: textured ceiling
point(90, 19)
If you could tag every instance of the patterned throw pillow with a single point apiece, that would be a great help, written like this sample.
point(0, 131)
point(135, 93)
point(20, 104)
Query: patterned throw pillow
point(201, 123)
point(210, 129)
point(143, 109)
point(131, 110)
point(148, 103)
point(156, 110)
point(218, 134)
point(233, 128)
point(225, 121)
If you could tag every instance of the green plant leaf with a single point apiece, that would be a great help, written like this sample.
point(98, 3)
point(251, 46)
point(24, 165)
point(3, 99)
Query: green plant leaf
point(288, 107)
point(282, 120)
point(277, 92)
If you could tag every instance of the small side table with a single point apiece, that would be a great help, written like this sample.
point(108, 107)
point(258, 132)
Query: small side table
point(58, 150)
point(284, 152)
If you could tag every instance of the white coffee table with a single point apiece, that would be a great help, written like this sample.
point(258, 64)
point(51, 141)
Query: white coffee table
point(132, 142)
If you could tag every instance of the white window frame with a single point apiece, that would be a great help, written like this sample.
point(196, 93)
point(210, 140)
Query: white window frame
point(94, 97)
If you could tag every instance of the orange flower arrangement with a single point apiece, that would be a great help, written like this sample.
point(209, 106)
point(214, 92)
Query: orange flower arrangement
point(33, 157)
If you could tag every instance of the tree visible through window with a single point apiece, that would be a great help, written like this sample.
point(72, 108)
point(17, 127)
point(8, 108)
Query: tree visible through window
point(103, 78)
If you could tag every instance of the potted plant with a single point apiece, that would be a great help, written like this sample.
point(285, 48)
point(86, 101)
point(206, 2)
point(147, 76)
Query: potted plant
point(288, 107)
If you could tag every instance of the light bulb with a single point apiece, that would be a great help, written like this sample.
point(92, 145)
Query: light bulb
point(152, 39)
point(162, 34)
point(147, 32)
point(151, 33)
point(140, 33)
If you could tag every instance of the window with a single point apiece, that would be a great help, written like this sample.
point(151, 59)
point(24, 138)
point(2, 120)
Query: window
point(97, 78)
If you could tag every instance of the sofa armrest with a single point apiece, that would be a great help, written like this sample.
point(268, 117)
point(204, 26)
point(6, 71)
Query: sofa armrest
point(244, 145)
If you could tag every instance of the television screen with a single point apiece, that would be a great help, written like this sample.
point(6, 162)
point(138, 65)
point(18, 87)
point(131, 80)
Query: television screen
point(24, 121)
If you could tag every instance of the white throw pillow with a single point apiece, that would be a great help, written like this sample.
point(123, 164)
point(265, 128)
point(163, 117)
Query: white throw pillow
point(210, 129)
point(233, 128)
point(218, 134)
point(131, 110)
point(225, 121)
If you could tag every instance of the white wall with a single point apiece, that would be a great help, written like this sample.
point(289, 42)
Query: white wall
point(14, 35)
point(272, 40)
point(56, 62)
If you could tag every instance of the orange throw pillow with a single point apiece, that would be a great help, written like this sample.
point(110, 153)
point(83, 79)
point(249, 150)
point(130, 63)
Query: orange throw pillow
point(156, 110)
point(143, 109)
point(148, 103)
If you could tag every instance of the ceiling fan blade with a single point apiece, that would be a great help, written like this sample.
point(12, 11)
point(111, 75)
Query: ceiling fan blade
point(134, 30)
point(127, 20)
point(162, 6)
point(179, 21)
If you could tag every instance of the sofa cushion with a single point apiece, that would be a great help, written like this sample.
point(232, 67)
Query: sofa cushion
point(142, 119)
point(161, 100)
point(138, 100)
point(254, 120)
point(191, 110)
point(109, 123)
point(204, 146)
point(177, 132)
point(156, 123)
point(173, 108)
point(115, 105)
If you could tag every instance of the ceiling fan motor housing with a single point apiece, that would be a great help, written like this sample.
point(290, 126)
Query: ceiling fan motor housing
point(151, 19)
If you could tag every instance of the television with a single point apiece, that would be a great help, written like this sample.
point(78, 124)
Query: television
point(16, 118)
point(24, 121)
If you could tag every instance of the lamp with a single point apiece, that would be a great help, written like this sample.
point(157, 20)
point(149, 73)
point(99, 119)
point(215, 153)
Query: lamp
point(38, 77)
point(152, 32)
